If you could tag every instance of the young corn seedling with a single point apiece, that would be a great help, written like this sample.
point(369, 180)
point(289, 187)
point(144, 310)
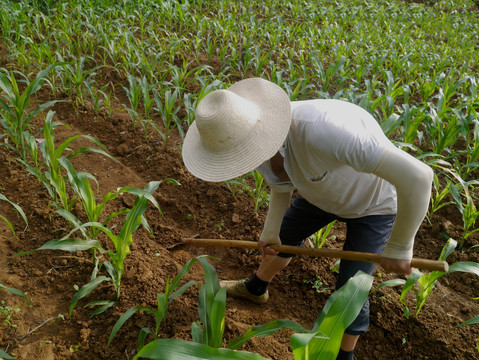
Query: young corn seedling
point(181, 78)
point(471, 152)
point(134, 94)
point(14, 114)
point(321, 236)
point(15, 292)
point(80, 183)
point(168, 111)
point(211, 308)
point(53, 178)
point(121, 242)
point(75, 76)
point(258, 192)
point(443, 134)
point(427, 281)
point(18, 209)
point(468, 209)
point(207, 333)
point(324, 339)
point(172, 291)
point(148, 101)
point(438, 196)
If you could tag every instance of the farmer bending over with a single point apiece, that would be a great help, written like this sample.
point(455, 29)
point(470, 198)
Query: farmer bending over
point(337, 158)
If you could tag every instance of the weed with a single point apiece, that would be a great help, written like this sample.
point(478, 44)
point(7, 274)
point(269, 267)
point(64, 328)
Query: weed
point(316, 284)
point(7, 312)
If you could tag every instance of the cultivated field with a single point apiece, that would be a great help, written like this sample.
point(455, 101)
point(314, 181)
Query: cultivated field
point(95, 99)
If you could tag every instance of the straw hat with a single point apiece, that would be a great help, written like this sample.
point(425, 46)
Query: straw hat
point(236, 130)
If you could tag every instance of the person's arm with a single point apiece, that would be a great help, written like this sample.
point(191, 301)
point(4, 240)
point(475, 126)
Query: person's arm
point(279, 203)
point(413, 180)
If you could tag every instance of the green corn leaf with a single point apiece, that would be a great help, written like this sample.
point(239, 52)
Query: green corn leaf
point(197, 332)
point(264, 330)
point(104, 306)
point(184, 270)
point(4, 355)
point(75, 244)
point(84, 150)
point(412, 279)
point(447, 249)
point(338, 313)
point(123, 318)
point(17, 208)
point(15, 292)
point(113, 214)
point(181, 290)
point(111, 271)
point(174, 349)
point(393, 282)
point(85, 290)
point(67, 215)
point(9, 224)
point(142, 335)
point(474, 320)
point(218, 318)
point(465, 266)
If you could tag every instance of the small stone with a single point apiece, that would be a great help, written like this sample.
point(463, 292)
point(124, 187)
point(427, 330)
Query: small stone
point(123, 149)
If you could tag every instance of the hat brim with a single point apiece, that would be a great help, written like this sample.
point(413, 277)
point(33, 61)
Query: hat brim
point(263, 143)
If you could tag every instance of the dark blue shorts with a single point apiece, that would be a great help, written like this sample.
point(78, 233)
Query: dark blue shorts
point(366, 234)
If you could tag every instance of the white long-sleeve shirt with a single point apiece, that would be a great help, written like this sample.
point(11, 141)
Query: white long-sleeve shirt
point(331, 155)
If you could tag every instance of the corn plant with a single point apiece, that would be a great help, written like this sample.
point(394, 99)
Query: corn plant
point(258, 192)
point(182, 77)
point(53, 179)
point(324, 339)
point(121, 242)
point(14, 114)
point(18, 209)
point(134, 95)
point(80, 183)
point(168, 110)
point(438, 196)
point(467, 209)
point(76, 77)
point(164, 300)
point(472, 154)
point(320, 237)
point(211, 308)
point(207, 333)
point(427, 281)
point(459, 191)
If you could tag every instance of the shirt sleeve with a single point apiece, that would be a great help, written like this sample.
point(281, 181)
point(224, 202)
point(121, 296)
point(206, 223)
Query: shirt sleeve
point(413, 180)
point(279, 203)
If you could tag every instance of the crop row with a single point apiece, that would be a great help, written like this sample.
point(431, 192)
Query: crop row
point(414, 69)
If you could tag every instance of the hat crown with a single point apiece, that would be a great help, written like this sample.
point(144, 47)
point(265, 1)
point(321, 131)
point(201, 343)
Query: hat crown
point(224, 119)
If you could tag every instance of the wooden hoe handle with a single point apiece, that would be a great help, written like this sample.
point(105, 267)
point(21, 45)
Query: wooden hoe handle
point(423, 264)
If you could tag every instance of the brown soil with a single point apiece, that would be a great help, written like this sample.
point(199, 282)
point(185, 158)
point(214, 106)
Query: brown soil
point(205, 210)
